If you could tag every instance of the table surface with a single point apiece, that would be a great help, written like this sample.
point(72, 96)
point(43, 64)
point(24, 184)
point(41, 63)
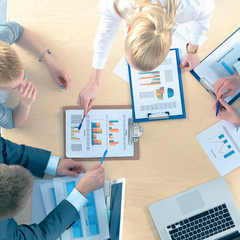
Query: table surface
point(68, 29)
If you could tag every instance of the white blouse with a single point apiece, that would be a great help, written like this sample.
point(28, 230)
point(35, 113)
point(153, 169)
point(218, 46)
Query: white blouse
point(197, 11)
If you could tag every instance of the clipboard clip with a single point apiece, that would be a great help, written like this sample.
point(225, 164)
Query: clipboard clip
point(158, 115)
point(204, 84)
point(135, 131)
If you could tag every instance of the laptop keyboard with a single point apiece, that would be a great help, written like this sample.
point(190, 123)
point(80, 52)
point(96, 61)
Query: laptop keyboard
point(202, 225)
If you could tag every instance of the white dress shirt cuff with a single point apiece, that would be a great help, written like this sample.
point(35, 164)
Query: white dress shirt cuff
point(237, 66)
point(77, 199)
point(51, 168)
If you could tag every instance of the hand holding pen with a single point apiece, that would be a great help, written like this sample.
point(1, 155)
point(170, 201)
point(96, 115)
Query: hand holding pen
point(229, 114)
point(227, 86)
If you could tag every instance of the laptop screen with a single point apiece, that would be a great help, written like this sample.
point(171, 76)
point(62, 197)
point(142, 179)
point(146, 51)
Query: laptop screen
point(115, 208)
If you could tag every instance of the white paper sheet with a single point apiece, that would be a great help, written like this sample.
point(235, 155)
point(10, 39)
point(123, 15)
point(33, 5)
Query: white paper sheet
point(93, 223)
point(48, 194)
point(157, 91)
point(38, 212)
point(101, 130)
point(221, 143)
point(211, 68)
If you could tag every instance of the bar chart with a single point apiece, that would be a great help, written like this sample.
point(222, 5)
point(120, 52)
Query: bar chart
point(75, 133)
point(113, 130)
point(225, 147)
point(90, 215)
point(149, 78)
point(96, 131)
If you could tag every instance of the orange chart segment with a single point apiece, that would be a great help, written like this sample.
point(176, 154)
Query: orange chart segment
point(96, 131)
point(113, 132)
point(149, 78)
point(75, 133)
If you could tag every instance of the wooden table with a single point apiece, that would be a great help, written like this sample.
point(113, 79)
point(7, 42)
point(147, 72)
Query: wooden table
point(171, 159)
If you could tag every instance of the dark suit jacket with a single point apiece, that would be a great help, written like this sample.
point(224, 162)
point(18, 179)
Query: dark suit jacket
point(57, 221)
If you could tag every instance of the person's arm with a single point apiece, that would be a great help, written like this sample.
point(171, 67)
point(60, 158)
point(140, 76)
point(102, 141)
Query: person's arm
point(12, 32)
point(199, 27)
point(227, 86)
point(30, 43)
point(67, 212)
point(33, 159)
point(51, 227)
point(202, 23)
point(104, 38)
point(6, 117)
point(228, 113)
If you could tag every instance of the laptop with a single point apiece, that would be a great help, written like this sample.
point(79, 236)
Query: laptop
point(207, 211)
point(114, 192)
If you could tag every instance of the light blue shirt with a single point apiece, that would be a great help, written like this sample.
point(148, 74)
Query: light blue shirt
point(10, 32)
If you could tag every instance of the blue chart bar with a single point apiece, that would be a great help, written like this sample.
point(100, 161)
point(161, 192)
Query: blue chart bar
point(221, 136)
point(54, 197)
point(229, 154)
point(92, 215)
point(76, 227)
point(225, 141)
point(227, 68)
point(149, 72)
point(113, 121)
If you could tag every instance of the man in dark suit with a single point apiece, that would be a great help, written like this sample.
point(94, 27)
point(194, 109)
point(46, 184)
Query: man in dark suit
point(16, 184)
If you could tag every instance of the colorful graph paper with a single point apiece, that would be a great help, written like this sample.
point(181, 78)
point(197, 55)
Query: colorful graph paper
point(150, 78)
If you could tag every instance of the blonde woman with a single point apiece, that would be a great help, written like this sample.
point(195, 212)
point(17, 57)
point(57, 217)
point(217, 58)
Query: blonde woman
point(147, 34)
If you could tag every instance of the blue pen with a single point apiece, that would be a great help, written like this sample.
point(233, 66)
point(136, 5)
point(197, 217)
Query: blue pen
point(80, 125)
point(218, 105)
point(104, 155)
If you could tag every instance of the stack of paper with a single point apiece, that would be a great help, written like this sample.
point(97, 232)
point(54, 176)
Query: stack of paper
point(93, 222)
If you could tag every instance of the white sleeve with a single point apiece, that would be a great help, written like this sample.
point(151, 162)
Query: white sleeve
point(106, 33)
point(52, 165)
point(202, 22)
point(77, 199)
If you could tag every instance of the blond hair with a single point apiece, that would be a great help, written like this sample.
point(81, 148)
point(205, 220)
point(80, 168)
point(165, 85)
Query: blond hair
point(15, 188)
point(149, 39)
point(10, 66)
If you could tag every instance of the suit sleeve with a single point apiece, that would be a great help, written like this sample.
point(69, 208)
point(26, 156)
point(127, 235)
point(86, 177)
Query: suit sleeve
point(56, 222)
point(33, 159)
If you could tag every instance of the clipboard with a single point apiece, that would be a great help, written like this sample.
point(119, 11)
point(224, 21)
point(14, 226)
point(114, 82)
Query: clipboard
point(134, 133)
point(219, 54)
point(161, 114)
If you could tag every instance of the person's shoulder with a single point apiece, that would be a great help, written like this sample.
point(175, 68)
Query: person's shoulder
point(8, 227)
point(106, 7)
point(195, 5)
point(10, 32)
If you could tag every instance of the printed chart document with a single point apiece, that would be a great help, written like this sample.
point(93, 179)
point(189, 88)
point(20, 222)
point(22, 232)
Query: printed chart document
point(219, 64)
point(221, 143)
point(158, 93)
point(93, 222)
point(101, 129)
